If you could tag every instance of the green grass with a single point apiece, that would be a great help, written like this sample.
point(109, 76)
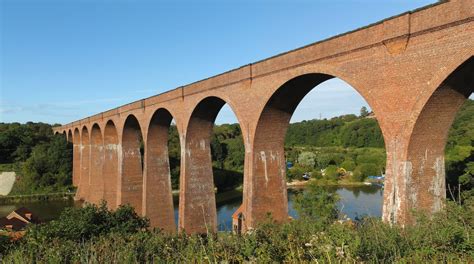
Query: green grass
point(8, 167)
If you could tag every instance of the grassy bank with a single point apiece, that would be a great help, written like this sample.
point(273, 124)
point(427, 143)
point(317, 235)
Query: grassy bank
point(92, 235)
point(36, 197)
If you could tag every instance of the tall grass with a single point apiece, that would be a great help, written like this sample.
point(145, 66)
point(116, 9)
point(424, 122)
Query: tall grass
point(446, 237)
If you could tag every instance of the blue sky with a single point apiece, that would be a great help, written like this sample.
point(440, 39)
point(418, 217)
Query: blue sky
point(64, 60)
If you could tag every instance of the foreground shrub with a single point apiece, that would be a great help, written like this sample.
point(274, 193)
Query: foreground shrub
point(79, 224)
point(121, 237)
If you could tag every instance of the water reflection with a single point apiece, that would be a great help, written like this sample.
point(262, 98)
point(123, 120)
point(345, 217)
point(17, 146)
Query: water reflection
point(355, 202)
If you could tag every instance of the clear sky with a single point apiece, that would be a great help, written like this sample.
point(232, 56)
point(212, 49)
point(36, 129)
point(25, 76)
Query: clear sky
point(67, 59)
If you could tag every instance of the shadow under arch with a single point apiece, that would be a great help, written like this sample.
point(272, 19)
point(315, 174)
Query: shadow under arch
point(76, 158)
point(131, 180)
point(83, 188)
point(265, 189)
point(96, 181)
point(110, 169)
point(70, 138)
point(426, 147)
point(197, 201)
point(158, 205)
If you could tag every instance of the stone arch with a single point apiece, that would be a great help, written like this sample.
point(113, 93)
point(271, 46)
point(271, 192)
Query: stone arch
point(96, 181)
point(265, 190)
point(197, 204)
point(83, 188)
point(158, 192)
point(110, 169)
point(76, 160)
point(132, 171)
point(426, 181)
point(69, 136)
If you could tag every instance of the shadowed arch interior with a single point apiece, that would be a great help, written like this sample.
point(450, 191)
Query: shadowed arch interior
point(197, 204)
point(83, 191)
point(132, 171)
point(111, 168)
point(70, 138)
point(158, 193)
point(96, 181)
point(427, 143)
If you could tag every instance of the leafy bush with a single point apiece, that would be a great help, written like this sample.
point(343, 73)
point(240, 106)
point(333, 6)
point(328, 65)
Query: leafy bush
point(445, 237)
point(348, 165)
point(78, 224)
point(316, 204)
point(306, 159)
point(331, 173)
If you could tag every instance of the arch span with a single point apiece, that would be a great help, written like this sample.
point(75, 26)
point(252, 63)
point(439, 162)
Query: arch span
point(132, 171)
point(197, 204)
point(110, 169)
point(69, 136)
point(426, 178)
point(83, 188)
point(158, 197)
point(265, 187)
point(96, 181)
point(76, 160)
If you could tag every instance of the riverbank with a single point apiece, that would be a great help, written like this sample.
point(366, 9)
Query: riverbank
point(341, 183)
point(36, 197)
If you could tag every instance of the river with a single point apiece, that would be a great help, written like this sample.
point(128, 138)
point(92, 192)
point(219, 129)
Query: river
point(355, 202)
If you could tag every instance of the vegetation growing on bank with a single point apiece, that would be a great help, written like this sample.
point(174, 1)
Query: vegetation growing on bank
point(95, 235)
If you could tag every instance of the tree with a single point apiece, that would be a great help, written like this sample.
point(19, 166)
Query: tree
point(317, 204)
point(331, 173)
point(348, 165)
point(364, 112)
point(307, 159)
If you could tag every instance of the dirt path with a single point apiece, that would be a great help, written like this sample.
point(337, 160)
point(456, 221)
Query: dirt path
point(7, 179)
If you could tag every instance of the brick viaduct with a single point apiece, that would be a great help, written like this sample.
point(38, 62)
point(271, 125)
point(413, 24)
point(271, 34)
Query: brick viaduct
point(414, 70)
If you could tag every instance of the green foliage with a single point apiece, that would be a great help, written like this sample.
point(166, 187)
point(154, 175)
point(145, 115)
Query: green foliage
point(225, 180)
point(295, 173)
point(316, 204)
point(78, 224)
point(363, 111)
point(331, 173)
point(368, 169)
point(307, 159)
point(348, 165)
point(445, 237)
point(17, 140)
point(346, 131)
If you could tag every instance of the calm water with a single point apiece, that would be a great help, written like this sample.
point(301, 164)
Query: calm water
point(355, 202)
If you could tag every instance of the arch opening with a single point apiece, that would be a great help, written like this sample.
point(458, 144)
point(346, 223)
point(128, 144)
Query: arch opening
point(76, 160)
point(70, 138)
point(110, 171)
point(343, 146)
point(437, 148)
point(132, 164)
point(159, 165)
point(96, 180)
point(83, 188)
point(204, 171)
